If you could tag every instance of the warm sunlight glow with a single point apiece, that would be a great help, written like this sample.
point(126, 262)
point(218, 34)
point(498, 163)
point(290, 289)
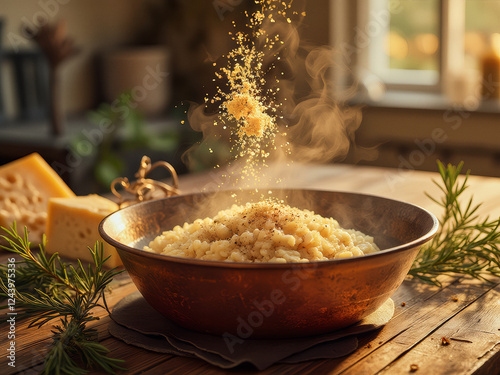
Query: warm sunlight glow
point(427, 43)
point(495, 43)
point(475, 43)
point(396, 46)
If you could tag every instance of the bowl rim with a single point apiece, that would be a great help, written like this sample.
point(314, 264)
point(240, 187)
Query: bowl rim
point(267, 265)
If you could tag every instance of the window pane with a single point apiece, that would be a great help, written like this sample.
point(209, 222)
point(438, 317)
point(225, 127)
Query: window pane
point(482, 30)
point(413, 39)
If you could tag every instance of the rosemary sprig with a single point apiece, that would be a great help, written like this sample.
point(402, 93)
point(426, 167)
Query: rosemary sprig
point(48, 289)
point(464, 244)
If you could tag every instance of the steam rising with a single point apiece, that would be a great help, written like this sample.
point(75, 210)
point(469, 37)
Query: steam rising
point(313, 128)
point(324, 129)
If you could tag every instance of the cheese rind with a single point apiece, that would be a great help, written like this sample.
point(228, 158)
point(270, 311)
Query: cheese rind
point(26, 185)
point(72, 227)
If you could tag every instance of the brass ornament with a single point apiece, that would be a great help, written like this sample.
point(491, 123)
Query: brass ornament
point(144, 189)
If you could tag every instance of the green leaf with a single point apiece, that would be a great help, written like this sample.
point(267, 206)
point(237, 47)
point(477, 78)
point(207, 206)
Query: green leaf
point(109, 168)
point(165, 143)
point(464, 243)
point(47, 289)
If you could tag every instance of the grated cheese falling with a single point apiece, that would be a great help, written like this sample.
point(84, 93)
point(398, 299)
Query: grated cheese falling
point(246, 105)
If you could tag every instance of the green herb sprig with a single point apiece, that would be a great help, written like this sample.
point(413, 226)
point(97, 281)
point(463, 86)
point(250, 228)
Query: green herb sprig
point(464, 244)
point(48, 289)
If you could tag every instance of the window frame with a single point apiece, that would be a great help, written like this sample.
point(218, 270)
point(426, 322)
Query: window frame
point(350, 19)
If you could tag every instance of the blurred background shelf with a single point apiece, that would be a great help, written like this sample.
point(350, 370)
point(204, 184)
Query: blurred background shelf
point(76, 164)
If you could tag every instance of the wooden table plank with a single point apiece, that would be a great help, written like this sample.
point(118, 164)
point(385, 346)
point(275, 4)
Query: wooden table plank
point(411, 324)
point(137, 360)
point(33, 343)
point(477, 326)
point(459, 310)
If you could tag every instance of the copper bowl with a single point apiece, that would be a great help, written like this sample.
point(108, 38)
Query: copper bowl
point(270, 300)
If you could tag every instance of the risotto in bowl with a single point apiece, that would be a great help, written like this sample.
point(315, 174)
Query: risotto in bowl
point(308, 263)
point(264, 231)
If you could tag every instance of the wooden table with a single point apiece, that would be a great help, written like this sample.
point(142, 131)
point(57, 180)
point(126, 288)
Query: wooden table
point(464, 311)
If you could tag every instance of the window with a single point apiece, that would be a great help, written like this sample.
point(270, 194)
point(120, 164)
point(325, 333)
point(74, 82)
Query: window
point(482, 30)
point(440, 46)
point(406, 50)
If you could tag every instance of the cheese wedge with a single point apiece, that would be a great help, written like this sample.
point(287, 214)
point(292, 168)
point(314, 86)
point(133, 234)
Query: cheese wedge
point(26, 185)
point(72, 227)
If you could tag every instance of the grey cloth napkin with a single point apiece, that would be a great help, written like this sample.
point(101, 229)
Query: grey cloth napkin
point(138, 324)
